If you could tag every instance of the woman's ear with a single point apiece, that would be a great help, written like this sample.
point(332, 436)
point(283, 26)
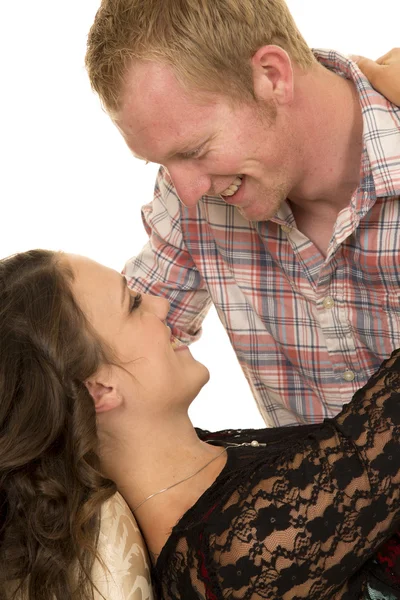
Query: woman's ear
point(104, 391)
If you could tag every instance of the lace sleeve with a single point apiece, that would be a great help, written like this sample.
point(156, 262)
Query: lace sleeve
point(302, 525)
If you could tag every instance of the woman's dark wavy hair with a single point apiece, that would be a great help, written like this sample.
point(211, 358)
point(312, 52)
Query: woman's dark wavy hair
point(51, 489)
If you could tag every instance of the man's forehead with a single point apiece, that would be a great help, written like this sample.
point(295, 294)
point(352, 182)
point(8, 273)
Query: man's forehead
point(159, 118)
point(158, 86)
point(153, 81)
point(161, 134)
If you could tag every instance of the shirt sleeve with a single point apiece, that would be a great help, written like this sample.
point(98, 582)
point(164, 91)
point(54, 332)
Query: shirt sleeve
point(303, 521)
point(164, 267)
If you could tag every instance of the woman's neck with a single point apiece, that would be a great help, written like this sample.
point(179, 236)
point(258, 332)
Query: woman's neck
point(143, 459)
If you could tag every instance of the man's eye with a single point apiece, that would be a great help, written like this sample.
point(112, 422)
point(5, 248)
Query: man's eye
point(193, 153)
point(134, 302)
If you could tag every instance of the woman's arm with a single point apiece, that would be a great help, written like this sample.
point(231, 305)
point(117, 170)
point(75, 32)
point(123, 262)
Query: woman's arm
point(306, 522)
point(384, 74)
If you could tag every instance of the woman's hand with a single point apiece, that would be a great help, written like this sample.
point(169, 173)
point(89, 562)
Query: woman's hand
point(384, 74)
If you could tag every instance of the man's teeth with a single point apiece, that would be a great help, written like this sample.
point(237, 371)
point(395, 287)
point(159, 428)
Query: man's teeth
point(233, 188)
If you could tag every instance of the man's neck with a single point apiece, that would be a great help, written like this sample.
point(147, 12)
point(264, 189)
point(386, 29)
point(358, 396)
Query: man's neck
point(330, 123)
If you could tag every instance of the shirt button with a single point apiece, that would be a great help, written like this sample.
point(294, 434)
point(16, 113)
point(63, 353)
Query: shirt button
point(286, 228)
point(349, 375)
point(328, 302)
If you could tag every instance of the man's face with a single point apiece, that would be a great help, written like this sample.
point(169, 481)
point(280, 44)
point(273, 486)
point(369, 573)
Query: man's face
point(209, 145)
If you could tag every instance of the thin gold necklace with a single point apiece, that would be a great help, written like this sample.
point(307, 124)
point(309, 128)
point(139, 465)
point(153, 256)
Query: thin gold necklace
point(254, 444)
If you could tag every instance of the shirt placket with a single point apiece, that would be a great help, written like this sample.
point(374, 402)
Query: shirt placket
point(322, 283)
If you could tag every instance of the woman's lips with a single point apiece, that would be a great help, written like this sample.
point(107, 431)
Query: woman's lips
point(177, 344)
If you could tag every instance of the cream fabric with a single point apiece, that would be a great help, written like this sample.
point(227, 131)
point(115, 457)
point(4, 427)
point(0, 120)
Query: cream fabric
point(124, 553)
point(126, 575)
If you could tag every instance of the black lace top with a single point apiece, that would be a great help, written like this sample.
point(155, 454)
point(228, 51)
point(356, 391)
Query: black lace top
point(301, 517)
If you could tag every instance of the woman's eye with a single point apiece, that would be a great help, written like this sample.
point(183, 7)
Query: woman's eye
point(134, 302)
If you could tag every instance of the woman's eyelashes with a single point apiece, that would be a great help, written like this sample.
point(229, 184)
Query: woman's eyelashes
point(134, 301)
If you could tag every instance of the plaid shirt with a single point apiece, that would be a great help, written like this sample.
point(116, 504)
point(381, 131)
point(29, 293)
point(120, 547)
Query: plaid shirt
point(308, 331)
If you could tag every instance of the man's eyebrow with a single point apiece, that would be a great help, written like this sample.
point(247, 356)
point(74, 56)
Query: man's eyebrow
point(193, 145)
point(180, 150)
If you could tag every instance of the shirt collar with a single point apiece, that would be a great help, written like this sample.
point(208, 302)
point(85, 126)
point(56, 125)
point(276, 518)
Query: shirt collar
point(381, 123)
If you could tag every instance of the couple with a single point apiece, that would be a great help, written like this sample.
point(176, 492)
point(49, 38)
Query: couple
point(94, 394)
point(261, 140)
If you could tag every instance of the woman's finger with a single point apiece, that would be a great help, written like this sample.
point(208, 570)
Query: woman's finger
point(390, 57)
point(385, 77)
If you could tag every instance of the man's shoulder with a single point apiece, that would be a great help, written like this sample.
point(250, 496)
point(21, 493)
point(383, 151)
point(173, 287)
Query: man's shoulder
point(381, 124)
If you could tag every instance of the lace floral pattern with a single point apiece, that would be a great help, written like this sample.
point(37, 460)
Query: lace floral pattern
point(299, 518)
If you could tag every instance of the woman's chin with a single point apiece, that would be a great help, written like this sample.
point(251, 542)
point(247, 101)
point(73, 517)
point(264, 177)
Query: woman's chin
point(205, 377)
point(198, 380)
point(205, 374)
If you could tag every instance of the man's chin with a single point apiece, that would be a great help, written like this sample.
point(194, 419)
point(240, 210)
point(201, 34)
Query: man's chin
point(262, 209)
point(251, 213)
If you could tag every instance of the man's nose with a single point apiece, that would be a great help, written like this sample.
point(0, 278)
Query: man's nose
point(189, 183)
point(158, 305)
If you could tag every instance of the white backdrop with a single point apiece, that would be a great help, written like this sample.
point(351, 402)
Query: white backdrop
point(67, 180)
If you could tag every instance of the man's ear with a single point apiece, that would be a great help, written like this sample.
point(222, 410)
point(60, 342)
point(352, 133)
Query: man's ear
point(103, 391)
point(273, 74)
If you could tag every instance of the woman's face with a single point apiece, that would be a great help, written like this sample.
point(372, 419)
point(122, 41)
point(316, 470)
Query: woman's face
point(155, 371)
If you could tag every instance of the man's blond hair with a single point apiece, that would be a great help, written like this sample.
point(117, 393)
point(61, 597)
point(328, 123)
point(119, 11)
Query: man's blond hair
point(209, 43)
